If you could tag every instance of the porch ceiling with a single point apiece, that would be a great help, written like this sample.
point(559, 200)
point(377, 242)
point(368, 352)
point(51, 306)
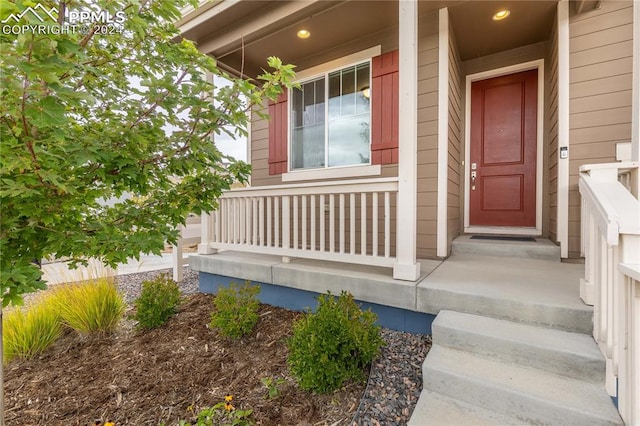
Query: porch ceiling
point(268, 28)
point(242, 34)
point(478, 35)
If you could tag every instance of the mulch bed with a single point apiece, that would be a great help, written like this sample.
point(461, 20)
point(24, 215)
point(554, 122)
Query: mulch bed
point(146, 378)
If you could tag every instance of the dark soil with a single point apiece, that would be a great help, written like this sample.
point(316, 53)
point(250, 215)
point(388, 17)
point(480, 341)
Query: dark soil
point(146, 378)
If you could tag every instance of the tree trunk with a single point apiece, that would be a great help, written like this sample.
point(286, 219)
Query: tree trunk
point(1, 370)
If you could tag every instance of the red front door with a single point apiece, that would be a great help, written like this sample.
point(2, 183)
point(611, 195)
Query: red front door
point(502, 184)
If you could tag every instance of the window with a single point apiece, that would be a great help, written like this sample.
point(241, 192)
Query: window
point(334, 133)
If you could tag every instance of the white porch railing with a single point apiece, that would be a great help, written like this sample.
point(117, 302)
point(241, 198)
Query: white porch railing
point(611, 247)
point(344, 221)
point(189, 234)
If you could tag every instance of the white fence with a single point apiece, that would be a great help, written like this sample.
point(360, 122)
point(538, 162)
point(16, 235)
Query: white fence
point(611, 247)
point(345, 221)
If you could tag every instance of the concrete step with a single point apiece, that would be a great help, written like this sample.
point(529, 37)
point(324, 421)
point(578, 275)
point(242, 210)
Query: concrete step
point(567, 354)
point(527, 394)
point(530, 291)
point(542, 248)
point(435, 409)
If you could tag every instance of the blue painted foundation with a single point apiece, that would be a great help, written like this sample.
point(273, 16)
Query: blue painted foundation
point(299, 300)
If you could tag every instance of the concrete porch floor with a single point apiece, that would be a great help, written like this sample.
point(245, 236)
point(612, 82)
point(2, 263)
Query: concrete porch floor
point(535, 291)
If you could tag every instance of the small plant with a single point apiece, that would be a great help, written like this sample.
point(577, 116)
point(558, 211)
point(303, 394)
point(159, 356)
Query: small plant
point(236, 310)
point(273, 386)
point(27, 333)
point(157, 302)
point(221, 414)
point(90, 307)
point(334, 344)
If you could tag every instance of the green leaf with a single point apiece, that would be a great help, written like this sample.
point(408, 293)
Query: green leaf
point(47, 112)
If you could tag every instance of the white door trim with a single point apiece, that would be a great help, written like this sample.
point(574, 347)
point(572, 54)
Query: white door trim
point(539, 65)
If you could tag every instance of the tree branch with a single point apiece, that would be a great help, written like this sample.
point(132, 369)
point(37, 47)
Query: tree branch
point(156, 104)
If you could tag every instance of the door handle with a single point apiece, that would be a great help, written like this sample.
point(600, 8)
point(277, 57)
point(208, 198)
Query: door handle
point(473, 181)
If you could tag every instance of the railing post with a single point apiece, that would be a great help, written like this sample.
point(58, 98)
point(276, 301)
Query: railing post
point(177, 257)
point(206, 234)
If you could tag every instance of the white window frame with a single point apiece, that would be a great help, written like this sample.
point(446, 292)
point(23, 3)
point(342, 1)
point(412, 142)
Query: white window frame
point(326, 172)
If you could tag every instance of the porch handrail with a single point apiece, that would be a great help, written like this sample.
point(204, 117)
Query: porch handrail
point(611, 247)
point(345, 221)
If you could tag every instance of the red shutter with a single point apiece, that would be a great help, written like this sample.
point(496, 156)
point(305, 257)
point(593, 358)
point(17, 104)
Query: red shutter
point(384, 108)
point(278, 111)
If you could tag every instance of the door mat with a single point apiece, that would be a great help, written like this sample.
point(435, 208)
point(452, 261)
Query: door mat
point(503, 238)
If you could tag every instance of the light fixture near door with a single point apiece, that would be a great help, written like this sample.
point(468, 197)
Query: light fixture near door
point(303, 34)
point(501, 14)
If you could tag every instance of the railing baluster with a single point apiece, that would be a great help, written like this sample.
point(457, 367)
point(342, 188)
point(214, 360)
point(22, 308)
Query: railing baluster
point(261, 208)
point(223, 220)
point(276, 220)
point(218, 222)
point(254, 216)
point(342, 227)
point(242, 220)
point(387, 224)
point(374, 224)
point(304, 222)
point(363, 223)
point(286, 222)
point(295, 222)
point(322, 236)
point(235, 216)
point(313, 223)
point(332, 224)
point(352, 223)
point(269, 221)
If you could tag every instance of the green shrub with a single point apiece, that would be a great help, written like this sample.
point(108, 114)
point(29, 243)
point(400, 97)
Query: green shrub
point(236, 310)
point(27, 333)
point(157, 302)
point(334, 344)
point(89, 307)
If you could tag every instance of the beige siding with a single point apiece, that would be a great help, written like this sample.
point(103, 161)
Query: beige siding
point(259, 144)
point(551, 130)
point(427, 134)
point(456, 103)
point(600, 94)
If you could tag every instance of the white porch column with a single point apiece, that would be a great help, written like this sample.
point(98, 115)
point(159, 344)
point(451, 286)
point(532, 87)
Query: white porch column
point(563, 127)
point(442, 249)
point(406, 267)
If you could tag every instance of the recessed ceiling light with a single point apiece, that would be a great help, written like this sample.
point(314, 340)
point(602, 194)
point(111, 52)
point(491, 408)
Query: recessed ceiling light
point(501, 14)
point(304, 34)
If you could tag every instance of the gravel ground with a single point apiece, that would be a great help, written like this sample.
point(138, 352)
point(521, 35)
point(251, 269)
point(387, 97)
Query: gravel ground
point(131, 285)
point(395, 380)
point(396, 375)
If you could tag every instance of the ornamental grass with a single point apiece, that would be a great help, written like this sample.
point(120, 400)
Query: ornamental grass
point(29, 332)
point(93, 307)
